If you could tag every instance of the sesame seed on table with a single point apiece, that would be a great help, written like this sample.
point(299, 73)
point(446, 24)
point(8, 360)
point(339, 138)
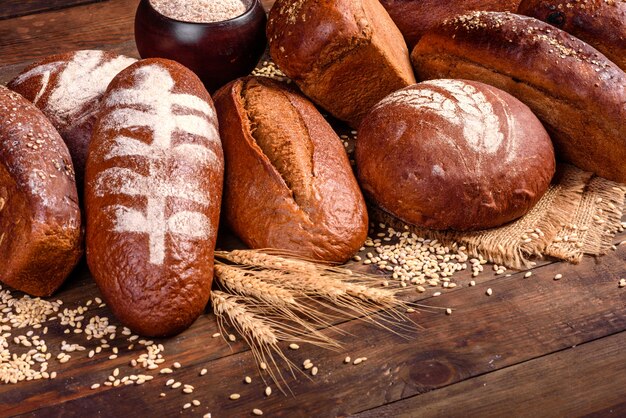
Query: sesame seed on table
point(491, 340)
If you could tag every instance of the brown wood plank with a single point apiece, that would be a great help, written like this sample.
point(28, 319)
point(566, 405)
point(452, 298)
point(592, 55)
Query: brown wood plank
point(584, 380)
point(523, 320)
point(14, 8)
point(92, 26)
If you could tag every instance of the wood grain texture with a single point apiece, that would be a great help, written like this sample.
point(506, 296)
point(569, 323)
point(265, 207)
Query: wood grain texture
point(92, 26)
point(523, 320)
point(582, 381)
point(14, 8)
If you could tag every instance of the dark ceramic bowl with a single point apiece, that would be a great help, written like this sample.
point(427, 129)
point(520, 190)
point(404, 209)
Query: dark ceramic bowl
point(217, 52)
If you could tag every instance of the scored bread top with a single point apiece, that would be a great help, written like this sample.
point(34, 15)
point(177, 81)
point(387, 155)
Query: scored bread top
point(289, 184)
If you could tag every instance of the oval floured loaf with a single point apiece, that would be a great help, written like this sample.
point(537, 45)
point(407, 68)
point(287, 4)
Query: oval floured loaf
point(153, 192)
point(454, 154)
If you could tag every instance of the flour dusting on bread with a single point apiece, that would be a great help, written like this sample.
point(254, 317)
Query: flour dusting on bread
point(460, 104)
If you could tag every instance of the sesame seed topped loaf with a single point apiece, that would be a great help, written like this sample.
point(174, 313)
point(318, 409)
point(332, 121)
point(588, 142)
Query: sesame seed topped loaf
point(600, 23)
point(416, 17)
point(454, 154)
point(153, 189)
point(346, 55)
point(577, 93)
point(289, 184)
point(67, 88)
point(40, 222)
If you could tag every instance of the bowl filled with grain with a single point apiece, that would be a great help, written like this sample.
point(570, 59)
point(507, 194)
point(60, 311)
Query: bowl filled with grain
point(219, 40)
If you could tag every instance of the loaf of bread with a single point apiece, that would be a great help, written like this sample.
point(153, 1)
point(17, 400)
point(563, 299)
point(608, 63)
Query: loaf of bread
point(67, 88)
point(40, 223)
point(577, 93)
point(153, 189)
point(289, 184)
point(416, 17)
point(454, 154)
point(346, 55)
point(600, 23)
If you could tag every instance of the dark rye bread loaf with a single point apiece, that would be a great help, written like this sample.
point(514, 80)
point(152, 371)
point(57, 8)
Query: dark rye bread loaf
point(289, 184)
point(345, 55)
point(40, 223)
point(153, 191)
point(600, 23)
point(454, 154)
point(67, 88)
point(416, 17)
point(577, 93)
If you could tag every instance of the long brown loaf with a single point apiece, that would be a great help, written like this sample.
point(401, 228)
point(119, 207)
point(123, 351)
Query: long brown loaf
point(577, 93)
point(67, 88)
point(600, 23)
point(345, 55)
point(153, 192)
point(40, 222)
point(416, 17)
point(289, 184)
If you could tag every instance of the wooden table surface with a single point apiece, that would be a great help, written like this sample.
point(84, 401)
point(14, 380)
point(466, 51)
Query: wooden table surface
point(536, 347)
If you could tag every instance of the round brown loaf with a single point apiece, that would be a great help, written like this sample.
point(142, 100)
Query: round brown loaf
point(415, 17)
point(454, 154)
point(289, 184)
point(67, 88)
point(152, 197)
point(600, 23)
point(345, 55)
point(40, 223)
point(578, 93)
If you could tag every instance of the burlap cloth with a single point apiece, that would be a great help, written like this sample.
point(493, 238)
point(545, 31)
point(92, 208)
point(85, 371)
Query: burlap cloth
point(579, 214)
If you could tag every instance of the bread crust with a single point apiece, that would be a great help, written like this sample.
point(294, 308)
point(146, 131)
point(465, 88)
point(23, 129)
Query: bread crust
point(578, 93)
point(325, 216)
point(153, 190)
point(600, 23)
point(67, 88)
point(345, 55)
point(416, 17)
point(454, 154)
point(40, 221)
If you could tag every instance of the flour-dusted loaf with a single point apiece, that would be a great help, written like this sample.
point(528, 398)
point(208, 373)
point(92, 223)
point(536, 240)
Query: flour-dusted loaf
point(578, 93)
point(600, 23)
point(289, 184)
point(346, 55)
point(454, 154)
point(40, 223)
point(67, 88)
point(416, 17)
point(153, 191)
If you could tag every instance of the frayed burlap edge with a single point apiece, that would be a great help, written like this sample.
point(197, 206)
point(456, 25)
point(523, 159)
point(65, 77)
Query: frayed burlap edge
point(514, 244)
point(595, 223)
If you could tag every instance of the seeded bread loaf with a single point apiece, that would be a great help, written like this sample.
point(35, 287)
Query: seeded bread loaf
point(40, 224)
point(600, 23)
point(416, 17)
point(577, 93)
point(67, 88)
point(460, 155)
point(346, 55)
point(289, 184)
point(152, 197)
